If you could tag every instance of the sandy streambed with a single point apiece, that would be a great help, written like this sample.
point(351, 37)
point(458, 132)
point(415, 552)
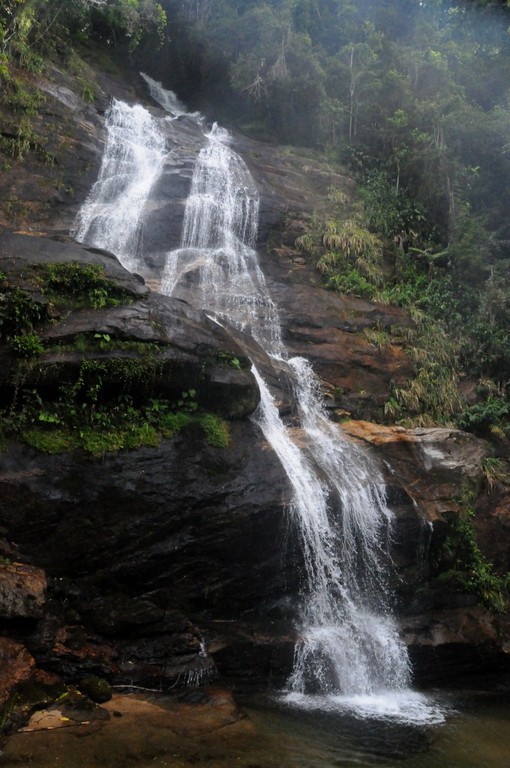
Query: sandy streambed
point(133, 730)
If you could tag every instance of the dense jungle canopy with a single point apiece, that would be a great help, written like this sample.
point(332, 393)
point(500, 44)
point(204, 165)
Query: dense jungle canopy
point(412, 97)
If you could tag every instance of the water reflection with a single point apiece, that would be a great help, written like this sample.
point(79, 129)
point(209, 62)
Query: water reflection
point(475, 734)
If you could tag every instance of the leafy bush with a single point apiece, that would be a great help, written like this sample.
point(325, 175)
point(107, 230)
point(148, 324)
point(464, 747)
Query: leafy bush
point(495, 472)
point(19, 312)
point(352, 283)
point(350, 243)
point(491, 416)
point(432, 396)
point(26, 345)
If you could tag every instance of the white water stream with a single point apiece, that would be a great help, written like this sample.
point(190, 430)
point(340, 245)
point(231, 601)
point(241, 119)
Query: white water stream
point(112, 216)
point(349, 654)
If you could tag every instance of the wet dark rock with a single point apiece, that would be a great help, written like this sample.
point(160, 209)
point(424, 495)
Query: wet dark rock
point(425, 470)
point(20, 253)
point(151, 536)
point(114, 614)
point(22, 591)
point(446, 645)
point(16, 667)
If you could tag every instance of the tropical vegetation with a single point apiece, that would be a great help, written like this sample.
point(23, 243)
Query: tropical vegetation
point(412, 97)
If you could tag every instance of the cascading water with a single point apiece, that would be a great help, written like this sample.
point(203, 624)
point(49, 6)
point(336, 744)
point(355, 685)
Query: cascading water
point(349, 654)
point(217, 264)
point(167, 99)
point(112, 216)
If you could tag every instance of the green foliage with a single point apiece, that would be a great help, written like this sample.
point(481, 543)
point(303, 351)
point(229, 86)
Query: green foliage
point(82, 285)
point(348, 242)
point(216, 430)
point(170, 422)
point(107, 406)
point(97, 442)
point(26, 345)
point(378, 336)
point(229, 360)
point(350, 257)
point(389, 212)
point(19, 312)
point(187, 402)
point(29, 28)
point(488, 417)
point(350, 282)
point(54, 441)
point(495, 472)
point(469, 570)
point(432, 396)
point(487, 342)
point(116, 425)
point(128, 20)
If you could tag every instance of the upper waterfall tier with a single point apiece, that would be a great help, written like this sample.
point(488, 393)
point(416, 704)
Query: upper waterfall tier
point(217, 266)
point(112, 216)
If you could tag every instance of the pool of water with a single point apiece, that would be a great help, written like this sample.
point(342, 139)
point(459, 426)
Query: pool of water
point(475, 733)
point(162, 731)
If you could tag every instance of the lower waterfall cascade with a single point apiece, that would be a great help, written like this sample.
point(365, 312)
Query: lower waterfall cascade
point(349, 655)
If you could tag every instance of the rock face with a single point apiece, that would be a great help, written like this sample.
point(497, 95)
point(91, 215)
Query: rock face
point(16, 667)
point(428, 472)
point(431, 464)
point(22, 591)
point(152, 552)
point(183, 530)
point(190, 347)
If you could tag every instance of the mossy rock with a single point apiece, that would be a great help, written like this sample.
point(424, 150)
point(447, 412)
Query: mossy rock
point(96, 688)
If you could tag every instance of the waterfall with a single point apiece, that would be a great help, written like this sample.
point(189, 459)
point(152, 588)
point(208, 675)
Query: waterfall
point(112, 216)
point(349, 654)
point(217, 264)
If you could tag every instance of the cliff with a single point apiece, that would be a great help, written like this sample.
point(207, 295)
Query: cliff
point(121, 556)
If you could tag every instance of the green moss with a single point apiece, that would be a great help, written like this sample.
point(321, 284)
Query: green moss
point(171, 423)
point(96, 688)
point(98, 442)
point(139, 435)
point(216, 430)
point(77, 284)
point(103, 435)
point(49, 441)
